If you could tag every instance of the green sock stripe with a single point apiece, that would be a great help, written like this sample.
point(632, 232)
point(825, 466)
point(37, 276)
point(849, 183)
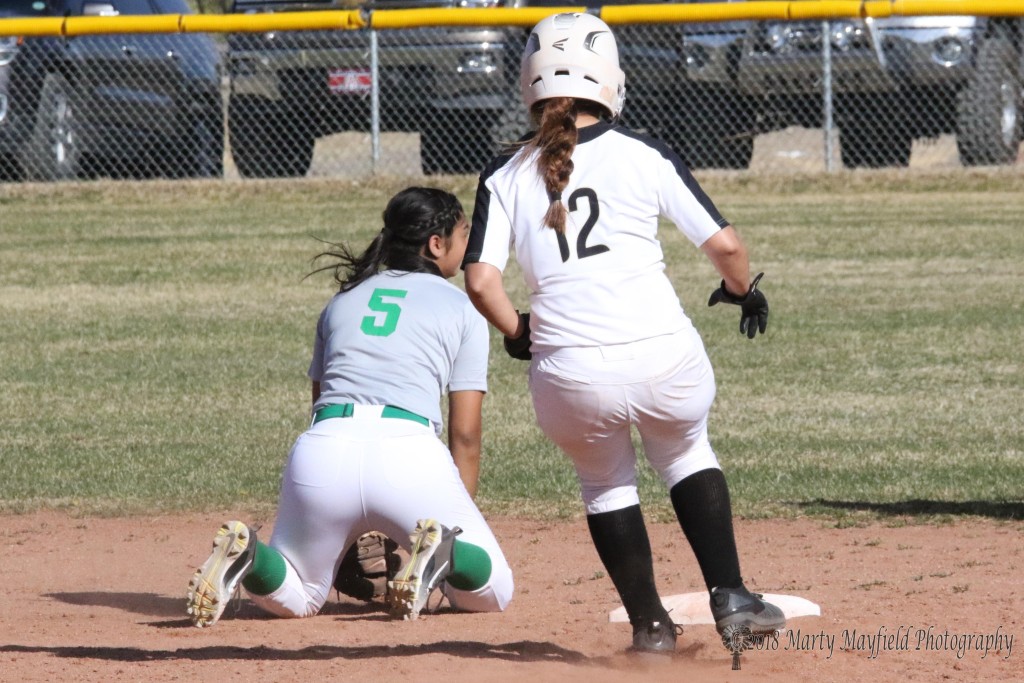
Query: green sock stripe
point(472, 568)
point(267, 572)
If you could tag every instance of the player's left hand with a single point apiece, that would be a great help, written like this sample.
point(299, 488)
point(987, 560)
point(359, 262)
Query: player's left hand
point(753, 307)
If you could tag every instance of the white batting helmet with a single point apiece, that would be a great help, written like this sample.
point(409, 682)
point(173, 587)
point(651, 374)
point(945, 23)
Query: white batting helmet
point(573, 55)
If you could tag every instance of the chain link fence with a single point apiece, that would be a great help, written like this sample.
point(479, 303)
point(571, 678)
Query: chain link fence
point(760, 95)
point(121, 106)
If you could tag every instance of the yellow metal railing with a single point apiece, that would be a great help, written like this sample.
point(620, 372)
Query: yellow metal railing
point(393, 19)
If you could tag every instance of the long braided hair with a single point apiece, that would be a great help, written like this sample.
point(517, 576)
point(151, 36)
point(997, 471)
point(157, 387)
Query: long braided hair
point(556, 139)
point(410, 219)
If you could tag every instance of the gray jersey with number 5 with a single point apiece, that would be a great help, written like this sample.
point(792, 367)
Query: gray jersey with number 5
point(399, 339)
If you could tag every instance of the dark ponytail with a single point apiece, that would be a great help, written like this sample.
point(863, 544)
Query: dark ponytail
point(410, 219)
point(556, 140)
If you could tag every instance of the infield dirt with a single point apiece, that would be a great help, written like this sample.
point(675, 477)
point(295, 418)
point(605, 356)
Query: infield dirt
point(102, 599)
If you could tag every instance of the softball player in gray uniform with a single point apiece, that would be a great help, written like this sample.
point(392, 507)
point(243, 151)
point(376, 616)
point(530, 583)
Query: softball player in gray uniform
point(579, 201)
point(387, 346)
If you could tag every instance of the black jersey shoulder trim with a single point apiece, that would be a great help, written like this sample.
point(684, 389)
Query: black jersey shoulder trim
point(593, 131)
point(481, 206)
point(681, 169)
point(478, 228)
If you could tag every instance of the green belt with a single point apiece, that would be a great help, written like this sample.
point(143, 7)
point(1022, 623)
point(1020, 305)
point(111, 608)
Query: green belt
point(346, 410)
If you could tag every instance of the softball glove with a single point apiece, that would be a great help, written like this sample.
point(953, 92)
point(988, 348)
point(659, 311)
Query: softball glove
point(367, 567)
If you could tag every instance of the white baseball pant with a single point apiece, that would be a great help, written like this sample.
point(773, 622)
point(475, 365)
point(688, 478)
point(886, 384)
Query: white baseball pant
point(587, 398)
point(347, 476)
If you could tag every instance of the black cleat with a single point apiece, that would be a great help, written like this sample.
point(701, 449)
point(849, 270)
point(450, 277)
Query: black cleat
point(737, 608)
point(656, 636)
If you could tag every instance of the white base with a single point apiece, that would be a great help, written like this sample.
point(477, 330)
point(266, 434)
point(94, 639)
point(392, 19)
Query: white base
point(694, 608)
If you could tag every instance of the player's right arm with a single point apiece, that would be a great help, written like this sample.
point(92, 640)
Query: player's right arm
point(486, 255)
point(487, 292)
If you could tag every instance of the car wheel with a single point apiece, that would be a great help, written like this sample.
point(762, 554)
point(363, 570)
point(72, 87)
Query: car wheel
point(872, 133)
point(456, 142)
point(267, 143)
point(206, 152)
point(10, 169)
point(989, 125)
point(53, 152)
point(512, 124)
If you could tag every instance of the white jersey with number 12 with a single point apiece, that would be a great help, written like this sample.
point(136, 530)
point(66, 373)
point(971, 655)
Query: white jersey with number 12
point(603, 281)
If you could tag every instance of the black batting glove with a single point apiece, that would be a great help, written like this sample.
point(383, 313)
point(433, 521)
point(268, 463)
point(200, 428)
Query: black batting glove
point(753, 306)
point(519, 347)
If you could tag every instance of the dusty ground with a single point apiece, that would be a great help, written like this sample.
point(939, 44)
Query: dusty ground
point(97, 599)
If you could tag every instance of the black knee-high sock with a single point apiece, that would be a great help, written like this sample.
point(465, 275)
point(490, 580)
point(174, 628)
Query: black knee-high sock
point(621, 540)
point(701, 502)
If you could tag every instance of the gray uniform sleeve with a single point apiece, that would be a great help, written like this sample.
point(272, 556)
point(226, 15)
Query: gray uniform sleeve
point(469, 371)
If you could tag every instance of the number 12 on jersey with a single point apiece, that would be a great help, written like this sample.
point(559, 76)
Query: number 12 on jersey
point(377, 326)
point(583, 250)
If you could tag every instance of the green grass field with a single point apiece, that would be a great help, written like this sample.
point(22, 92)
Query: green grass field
point(155, 340)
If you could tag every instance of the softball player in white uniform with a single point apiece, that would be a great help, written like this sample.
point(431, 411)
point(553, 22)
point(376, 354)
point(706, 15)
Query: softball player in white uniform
point(387, 346)
point(611, 347)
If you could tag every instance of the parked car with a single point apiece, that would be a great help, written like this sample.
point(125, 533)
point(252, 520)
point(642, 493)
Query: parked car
point(457, 86)
point(894, 80)
point(289, 88)
point(123, 105)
